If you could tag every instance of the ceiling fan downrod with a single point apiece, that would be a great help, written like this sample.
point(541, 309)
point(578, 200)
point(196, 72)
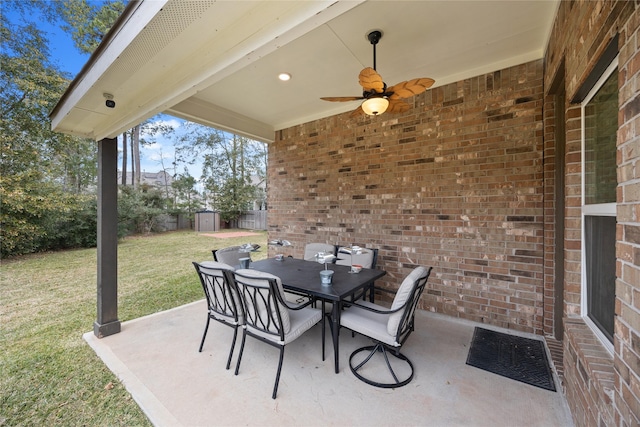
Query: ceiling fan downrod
point(374, 37)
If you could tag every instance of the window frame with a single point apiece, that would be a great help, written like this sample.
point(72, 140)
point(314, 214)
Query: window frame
point(599, 209)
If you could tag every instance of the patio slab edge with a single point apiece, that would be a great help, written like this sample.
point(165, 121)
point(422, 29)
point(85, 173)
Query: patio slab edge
point(153, 409)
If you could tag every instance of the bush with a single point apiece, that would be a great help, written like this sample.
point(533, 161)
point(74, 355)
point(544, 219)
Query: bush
point(139, 209)
point(43, 218)
point(77, 229)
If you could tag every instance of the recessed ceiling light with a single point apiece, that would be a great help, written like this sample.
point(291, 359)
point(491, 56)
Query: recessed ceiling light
point(284, 76)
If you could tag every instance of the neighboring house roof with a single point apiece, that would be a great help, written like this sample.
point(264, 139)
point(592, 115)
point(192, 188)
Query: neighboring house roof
point(216, 63)
point(155, 179)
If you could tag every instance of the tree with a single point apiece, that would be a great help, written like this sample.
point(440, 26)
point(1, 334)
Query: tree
point(228, 164)
point(149, 131)
point(186, 197)
point(124, 158)
point(135, 155)
point(87, 22)
point(38, 166)
point(75, 162)
point(139, 209)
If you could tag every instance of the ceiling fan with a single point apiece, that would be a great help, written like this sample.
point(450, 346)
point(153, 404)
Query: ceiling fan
point(379, 98)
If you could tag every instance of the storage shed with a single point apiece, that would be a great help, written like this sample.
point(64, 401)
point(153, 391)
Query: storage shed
point(207, 221)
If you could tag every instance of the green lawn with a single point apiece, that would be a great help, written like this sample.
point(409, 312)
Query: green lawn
point(48, 374)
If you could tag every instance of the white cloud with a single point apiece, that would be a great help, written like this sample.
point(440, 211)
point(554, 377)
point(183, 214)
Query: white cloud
point(157, 124)
point(152, 147)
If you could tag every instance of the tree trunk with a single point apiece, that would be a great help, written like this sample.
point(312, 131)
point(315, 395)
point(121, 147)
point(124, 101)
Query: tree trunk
point(125, 150)
point(136, 154)
point(133, 160)
point(164, 171)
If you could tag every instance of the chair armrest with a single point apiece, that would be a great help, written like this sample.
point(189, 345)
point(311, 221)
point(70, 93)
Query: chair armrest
point(365, 307)
point(389, 291)
point(295, 307)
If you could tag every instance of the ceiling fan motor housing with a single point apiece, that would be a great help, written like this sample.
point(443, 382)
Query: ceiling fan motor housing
point(374, 37)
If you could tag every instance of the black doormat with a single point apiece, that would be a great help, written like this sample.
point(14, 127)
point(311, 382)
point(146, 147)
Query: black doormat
point(518, 358)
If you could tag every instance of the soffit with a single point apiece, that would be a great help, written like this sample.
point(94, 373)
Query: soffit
point(217, 62)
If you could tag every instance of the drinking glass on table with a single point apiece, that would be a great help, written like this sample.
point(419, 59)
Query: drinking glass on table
point(354, 249)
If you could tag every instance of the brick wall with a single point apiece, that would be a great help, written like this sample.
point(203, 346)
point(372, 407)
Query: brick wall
point(627, 355)
point(455, 183)
point(465, 182)
point(602, 389)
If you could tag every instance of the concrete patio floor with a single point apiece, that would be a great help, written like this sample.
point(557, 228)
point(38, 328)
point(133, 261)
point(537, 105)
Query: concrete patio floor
point(157, 359)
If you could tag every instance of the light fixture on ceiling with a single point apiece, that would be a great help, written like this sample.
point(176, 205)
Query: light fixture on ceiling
point(284, 76)
point(375, 106)
point(378, 98)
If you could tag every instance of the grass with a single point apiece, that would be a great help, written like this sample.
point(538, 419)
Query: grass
point(48, 374)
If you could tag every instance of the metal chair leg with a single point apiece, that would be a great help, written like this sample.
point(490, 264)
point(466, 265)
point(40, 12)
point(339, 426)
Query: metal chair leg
point(206, 328)
point(244, 336)
point(233, 344)
point(373, 350)
point(275, 386)
point(386, 359)
point(323, 329)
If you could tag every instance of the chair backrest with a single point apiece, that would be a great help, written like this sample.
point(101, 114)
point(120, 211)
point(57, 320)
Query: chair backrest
point(367, 259)
point(311, 249)
point(400, 324)
point(262, 297)
point(230, 255)
point(220, 289)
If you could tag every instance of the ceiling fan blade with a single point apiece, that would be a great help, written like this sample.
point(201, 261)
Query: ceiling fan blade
point(341, 98)
point(410, 88)
point(357, 112)
point(371, 80)
point(397, 106)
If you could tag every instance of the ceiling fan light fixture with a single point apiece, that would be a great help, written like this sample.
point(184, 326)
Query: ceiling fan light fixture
point(378, 98)
point(375, 106)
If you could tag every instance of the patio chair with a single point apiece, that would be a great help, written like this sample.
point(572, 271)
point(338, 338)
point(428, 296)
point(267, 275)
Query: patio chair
point(311, 249)
point(367, 259)
point(389, 328)
point(230, 255)
point(223, 302)
point(268, 316)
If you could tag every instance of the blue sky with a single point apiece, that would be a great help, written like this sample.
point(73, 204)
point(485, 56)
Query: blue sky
point(63, 52)
point(68, 58)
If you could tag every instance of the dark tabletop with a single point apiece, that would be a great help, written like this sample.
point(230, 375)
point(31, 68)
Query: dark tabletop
point(304, 276)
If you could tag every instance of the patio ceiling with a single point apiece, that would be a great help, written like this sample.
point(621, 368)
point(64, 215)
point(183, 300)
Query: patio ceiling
point(217, 62)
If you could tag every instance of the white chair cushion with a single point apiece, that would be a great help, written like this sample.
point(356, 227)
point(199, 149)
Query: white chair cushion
point(214, 265)
point(404, 292)
point(368, 323)
point(284, 311)
point(301, 321)
point(229, 319)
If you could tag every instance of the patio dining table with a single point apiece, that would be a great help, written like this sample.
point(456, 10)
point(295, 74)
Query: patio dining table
point(303, 277)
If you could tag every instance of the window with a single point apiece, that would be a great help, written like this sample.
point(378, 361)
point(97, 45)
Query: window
point(599, 182)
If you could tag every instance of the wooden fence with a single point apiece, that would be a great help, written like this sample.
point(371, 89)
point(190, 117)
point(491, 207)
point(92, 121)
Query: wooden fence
point(253, 220)
point(173, 222)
